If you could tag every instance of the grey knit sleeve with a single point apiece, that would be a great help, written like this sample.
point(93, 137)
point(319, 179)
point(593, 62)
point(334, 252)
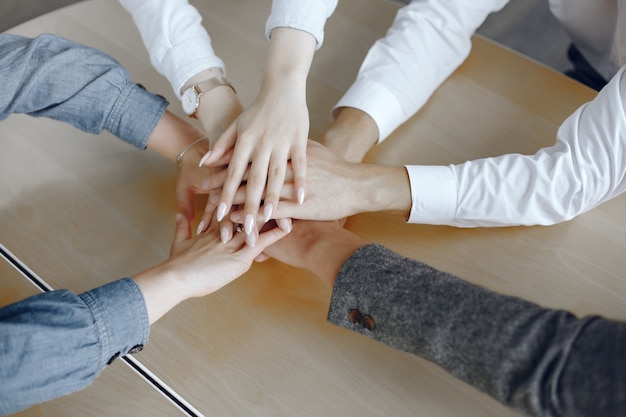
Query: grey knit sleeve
point(538, 361)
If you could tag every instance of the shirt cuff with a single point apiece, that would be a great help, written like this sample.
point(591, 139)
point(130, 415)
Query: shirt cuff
point(378, 102)
point(188, 59)
point(121, 317)
point(298, 15)
point(135, 115)
point(433, 194)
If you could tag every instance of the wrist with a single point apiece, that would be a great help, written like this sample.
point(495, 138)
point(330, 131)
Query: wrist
point(162, 290)
point(202, 76)
point(334, 246)
point(393, 193)
point(172, 135)
point(289, 56)
point(351, 135)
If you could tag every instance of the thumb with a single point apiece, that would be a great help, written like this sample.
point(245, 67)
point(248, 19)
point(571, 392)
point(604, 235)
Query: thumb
point(183, 229)
point(222, 145)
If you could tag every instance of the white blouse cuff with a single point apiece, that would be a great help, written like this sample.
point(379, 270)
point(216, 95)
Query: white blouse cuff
point(183, 61)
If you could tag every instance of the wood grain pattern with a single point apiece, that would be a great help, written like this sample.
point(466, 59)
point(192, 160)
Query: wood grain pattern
point(83, 210)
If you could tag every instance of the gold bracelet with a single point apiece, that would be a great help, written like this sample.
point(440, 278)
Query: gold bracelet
point(191, 145)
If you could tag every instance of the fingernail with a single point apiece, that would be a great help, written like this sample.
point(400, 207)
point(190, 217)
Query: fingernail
point(248, 223)
point(284, 224)
point(204, 158)
point(300, 195)
point(225, 234)
point(251, 240)
point(214, 197)
point(200, 227)
point(179, 217)
point(268, 210)
point(221, 211)
point(235, 218)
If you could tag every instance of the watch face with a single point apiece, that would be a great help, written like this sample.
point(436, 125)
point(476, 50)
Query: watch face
point(189, 101)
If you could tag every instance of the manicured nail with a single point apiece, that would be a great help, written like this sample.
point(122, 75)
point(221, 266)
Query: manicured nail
point(248, 223)
point(251, 240)
point(235, 217)
point(200, 227)
point(225, 234)
point(179, 217)
point(284, 224)
point(204, 158)
point(221, 211)
point(268, 210)
point(300, 195)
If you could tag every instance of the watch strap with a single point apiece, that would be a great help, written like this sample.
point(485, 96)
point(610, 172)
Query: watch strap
point(208, 85)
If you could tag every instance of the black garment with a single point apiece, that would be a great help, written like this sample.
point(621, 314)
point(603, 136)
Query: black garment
point(583, 72)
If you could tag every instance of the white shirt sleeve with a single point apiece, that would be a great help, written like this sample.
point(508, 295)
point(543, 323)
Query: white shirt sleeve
point(586, 167)
point(306, 15)
point(427, 41)
point(173, 34)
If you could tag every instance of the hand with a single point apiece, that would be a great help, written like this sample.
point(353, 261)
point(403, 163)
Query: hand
point(217, 109)
point(198, 266)
point(271, 132)
point(194, 180)
point(338, 189)
point(320, 247)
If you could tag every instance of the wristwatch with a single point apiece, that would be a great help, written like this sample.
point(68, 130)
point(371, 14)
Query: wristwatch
point(191, 96)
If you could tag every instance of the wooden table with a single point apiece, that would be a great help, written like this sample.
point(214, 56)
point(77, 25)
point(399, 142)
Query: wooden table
point(81, 211)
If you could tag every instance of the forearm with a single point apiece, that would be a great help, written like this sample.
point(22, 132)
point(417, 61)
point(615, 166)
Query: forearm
point(384, 189)
point(163, 289)
point(44, 77)
point(58, 342)
point(289, 59)
point(305, 15)
point(533, 359)
point(172, 135)
point(427, 41)
point(173, 34)
point(586, 167)
point(351, 135)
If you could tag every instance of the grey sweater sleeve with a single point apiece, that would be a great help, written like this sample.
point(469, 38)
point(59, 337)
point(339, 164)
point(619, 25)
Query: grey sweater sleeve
point(539, 361)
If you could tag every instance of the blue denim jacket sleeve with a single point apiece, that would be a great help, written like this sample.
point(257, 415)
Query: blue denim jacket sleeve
point(58, 342)
point(53, 77)
point(539, 361)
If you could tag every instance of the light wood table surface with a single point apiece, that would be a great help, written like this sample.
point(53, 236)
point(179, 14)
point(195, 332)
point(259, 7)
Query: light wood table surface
point(83, 210)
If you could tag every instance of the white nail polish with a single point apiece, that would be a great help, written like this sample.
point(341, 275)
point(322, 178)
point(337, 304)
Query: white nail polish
point(300, 195)
point(224, 234)
point(251, 240)
point(284, 224)
point(268, 210)
point(248, 223)
point(221, 211)
point(200, 227)
point(204, 158)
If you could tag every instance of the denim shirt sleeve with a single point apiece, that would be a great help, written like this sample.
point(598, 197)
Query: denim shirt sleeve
point(539, 361)
point(53, 77)
point(58, 342)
